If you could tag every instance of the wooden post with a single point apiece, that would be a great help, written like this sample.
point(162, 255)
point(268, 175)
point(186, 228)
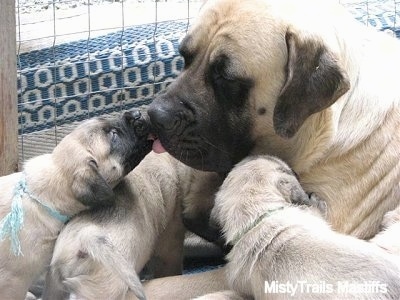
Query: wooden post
point(8, 89)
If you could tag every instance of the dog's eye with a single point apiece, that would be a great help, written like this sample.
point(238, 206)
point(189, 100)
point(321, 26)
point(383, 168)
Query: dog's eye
point(230, 89)
point(220, 69)
point(219, 72)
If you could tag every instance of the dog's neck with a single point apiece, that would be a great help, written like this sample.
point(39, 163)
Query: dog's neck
point(48, 184)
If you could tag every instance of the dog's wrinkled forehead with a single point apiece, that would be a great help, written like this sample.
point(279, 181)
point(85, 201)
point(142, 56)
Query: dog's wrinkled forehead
point(227, 28)
point(212, 25)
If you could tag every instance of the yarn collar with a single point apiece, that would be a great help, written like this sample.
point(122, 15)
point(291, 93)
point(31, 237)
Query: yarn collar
point(12, 223)
point(257, 221)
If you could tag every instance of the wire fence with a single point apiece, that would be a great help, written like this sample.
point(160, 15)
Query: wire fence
point(78, 59)
point(82, 58)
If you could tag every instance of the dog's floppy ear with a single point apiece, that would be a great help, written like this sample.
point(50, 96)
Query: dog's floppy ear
point(89, 187)
point(314, 81)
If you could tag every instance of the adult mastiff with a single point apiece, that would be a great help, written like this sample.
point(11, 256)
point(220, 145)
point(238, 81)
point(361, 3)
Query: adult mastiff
point(301, 80)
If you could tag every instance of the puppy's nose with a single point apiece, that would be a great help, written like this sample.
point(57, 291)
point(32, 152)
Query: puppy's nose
point(133, 115)
point(163, 119)
point(136, 114)
point(136, 118)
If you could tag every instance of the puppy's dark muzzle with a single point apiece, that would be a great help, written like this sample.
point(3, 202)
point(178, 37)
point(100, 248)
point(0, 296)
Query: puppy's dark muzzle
point(139, 120)
point(137, 124)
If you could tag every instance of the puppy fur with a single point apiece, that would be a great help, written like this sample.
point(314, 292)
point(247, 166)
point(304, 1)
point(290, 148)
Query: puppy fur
point(80, 173)
point(276, 241)
point(186, 287)
point(224, 295)
point(145, 222)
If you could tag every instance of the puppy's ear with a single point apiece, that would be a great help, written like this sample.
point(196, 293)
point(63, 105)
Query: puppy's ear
point(314, 81)
point(90, 188)
point(53, 287)
point(293, 192)
point(298, 195)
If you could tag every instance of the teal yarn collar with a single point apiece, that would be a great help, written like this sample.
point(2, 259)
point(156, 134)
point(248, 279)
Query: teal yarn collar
point(12, 223)
point(257, 221)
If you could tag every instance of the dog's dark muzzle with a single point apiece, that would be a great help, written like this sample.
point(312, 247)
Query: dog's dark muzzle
point(186, 134)
point(164, 120)
point(200, 136)
point(173, 123)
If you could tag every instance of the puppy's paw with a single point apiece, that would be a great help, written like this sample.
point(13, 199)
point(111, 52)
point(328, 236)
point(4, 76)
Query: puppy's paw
point(223, 295)
point(390, 218)
point(317, 202)
point(30, 296)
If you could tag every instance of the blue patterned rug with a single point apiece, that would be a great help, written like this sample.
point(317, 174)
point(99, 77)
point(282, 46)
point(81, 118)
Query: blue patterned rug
point(117, 71)
point(383, 15)
point(85, 78)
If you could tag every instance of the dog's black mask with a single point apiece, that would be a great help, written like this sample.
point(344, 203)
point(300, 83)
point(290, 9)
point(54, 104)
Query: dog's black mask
point(203, 117)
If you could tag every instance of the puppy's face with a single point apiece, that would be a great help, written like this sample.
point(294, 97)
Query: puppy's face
point(100, 152)
point(249, 77)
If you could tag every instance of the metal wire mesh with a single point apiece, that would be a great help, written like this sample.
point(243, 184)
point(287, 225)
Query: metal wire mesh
point(82, 58)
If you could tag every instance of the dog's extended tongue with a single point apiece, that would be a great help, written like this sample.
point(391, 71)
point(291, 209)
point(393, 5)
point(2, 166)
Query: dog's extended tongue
point(157, 147)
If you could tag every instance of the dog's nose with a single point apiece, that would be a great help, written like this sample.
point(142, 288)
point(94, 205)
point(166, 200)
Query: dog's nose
point(163, 119)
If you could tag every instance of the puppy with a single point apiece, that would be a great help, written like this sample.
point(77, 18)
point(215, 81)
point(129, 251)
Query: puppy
point(99, 253)
point(79, 173)
point(275, 242)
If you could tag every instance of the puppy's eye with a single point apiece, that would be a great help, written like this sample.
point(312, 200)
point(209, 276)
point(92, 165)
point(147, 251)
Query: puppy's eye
point(93, 163)
point(114, 134)
point(283, 182)
point(82, 254)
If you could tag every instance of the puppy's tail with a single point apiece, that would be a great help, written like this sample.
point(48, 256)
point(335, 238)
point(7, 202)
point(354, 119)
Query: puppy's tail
point(100, 249)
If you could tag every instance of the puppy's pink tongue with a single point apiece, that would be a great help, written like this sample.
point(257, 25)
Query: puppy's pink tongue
point(157, 147)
